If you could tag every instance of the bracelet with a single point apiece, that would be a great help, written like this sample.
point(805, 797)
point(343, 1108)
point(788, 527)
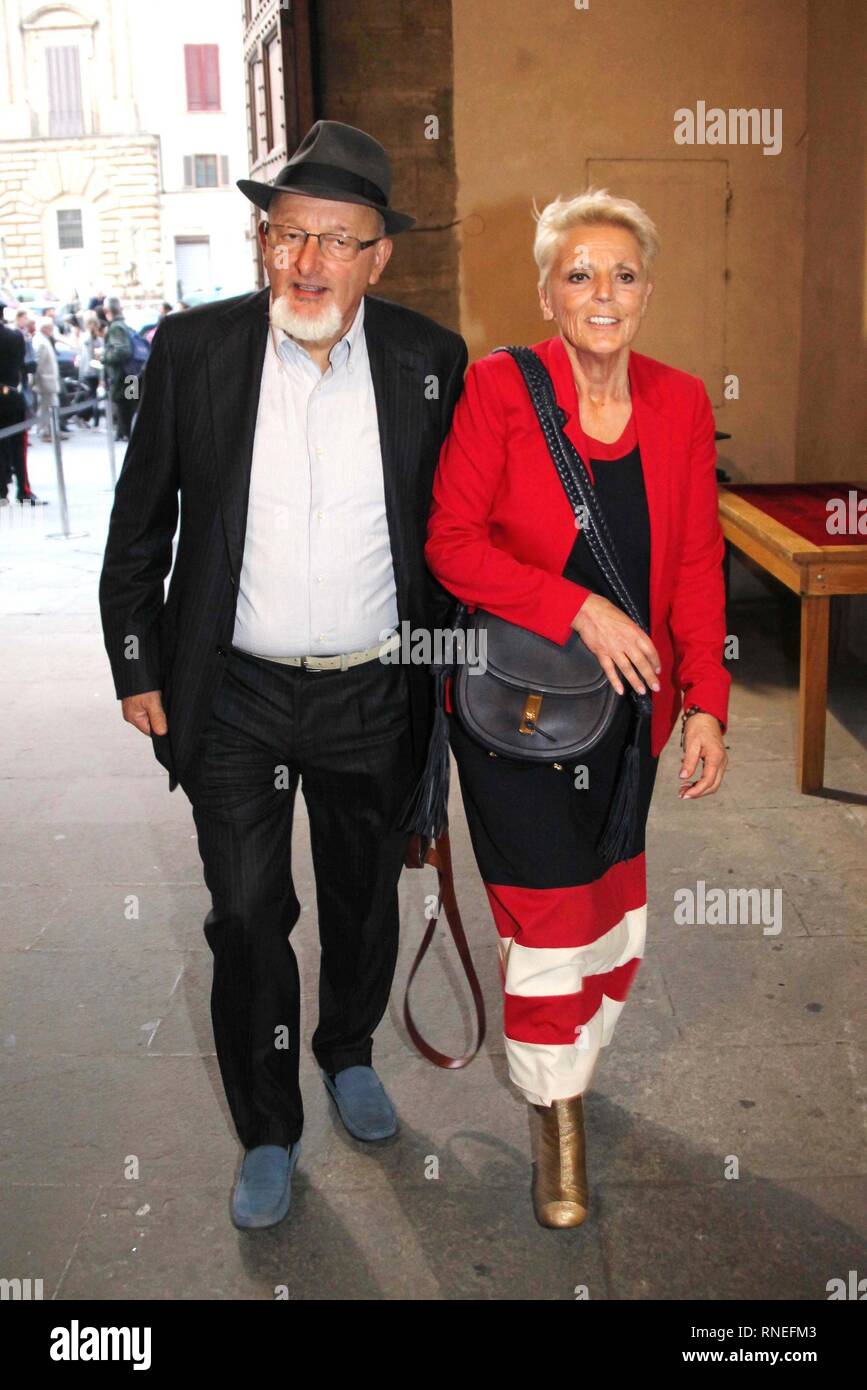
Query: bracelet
point(693, 709)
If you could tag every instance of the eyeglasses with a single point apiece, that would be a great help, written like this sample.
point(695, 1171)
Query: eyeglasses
point(332, 244)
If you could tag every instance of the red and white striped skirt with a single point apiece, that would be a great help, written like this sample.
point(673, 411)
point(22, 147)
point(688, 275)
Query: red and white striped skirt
point(571, 927)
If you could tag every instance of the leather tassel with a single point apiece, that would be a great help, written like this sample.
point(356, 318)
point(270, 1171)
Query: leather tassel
point(426, 812)
point(616, 840)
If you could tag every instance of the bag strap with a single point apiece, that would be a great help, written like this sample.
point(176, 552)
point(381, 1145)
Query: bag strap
point(573, 475)
point(440, 856)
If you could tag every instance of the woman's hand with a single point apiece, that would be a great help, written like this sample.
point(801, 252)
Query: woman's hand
point(618, 643)
point(702, 738)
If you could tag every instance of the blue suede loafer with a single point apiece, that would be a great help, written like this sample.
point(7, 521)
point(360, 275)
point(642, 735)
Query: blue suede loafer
point(264, 1187)
point(361, 1102)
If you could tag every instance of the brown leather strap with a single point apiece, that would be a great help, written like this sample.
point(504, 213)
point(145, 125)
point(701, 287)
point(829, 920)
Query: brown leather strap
point(440, 856)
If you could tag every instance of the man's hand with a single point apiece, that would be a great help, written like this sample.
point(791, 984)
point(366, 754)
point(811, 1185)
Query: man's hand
point(618, 643)
point(703, 739)
point(145, 712)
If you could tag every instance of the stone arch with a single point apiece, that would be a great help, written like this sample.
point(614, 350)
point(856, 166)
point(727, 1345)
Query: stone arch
point(77, 17)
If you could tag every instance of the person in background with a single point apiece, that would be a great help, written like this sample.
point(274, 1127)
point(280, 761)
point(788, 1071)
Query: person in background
point(116, 353)
point(47, 376)
point(69, 330)
point(13, 411)
point(165, 310)
point(26, 327)
point(89, 353)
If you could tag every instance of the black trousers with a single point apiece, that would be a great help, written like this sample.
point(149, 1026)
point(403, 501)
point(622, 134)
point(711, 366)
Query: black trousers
point(12, 412)
point(344, 736)
point(124, 414)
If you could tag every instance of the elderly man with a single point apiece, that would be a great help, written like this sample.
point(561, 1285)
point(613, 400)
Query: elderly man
point(302, 426)
point(47, 379)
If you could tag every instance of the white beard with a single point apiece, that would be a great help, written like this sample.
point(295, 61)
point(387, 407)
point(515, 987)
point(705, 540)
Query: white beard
point(307, 328)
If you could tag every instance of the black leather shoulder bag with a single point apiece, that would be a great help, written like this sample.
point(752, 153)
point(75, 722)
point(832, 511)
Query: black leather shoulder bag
point(518, 694)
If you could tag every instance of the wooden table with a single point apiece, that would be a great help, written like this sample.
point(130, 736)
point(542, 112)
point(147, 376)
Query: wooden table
point(815, 572)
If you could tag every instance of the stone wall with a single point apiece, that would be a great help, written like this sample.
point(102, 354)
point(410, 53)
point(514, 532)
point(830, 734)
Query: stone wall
point(117, 179)
point(386, 66)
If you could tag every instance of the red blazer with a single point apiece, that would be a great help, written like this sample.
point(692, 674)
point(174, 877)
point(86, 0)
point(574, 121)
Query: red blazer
point(501, 528)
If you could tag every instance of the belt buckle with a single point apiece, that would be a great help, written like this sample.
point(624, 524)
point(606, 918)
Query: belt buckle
point(316, 670)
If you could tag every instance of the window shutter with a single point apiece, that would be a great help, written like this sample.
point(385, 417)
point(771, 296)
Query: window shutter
point(202, 68)
point(211, 65)
point(188, 171)
point(66, 114)
point(224, 170)
point(191, 69)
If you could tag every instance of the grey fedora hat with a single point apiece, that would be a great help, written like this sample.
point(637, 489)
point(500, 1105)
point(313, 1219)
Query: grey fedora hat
point(335, 161)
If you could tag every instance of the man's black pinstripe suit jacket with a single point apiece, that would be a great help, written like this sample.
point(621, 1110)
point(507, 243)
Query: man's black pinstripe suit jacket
point(190, 454)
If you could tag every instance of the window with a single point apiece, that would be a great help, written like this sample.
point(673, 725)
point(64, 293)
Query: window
point(202, 64)
point(70, 233)
point(258, 130)
point(274, 125)
point(65, 112)
point(206, 170)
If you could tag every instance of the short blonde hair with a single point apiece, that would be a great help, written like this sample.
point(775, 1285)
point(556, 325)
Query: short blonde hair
point(593, 208)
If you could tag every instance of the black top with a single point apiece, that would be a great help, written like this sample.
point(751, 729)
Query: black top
point(11, 357)
point(623, 500)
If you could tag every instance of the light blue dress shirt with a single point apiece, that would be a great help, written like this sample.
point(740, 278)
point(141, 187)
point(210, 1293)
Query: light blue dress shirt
point(317, 576)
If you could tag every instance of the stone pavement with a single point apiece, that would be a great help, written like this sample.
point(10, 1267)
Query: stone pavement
point(117, 1155)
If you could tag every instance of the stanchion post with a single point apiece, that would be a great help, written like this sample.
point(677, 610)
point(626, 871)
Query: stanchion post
point(109, 434)
point(54, 419)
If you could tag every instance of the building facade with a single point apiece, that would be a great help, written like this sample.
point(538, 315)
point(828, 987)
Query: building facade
point(191, 93)
point(122, 130)
point(279, 80)
point(384, 65)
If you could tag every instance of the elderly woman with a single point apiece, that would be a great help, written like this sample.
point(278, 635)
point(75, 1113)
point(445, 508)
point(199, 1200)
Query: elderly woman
point(89, 352)
point(502, 537)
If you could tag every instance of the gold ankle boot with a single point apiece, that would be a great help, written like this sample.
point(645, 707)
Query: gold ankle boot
point(560, 1193)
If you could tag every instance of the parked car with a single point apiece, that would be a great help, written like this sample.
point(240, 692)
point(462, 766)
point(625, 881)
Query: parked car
point(206, 296)
point(35, 301)
point(67, 361)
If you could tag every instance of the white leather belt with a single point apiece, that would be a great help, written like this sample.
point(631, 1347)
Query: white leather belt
point(336, 663)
